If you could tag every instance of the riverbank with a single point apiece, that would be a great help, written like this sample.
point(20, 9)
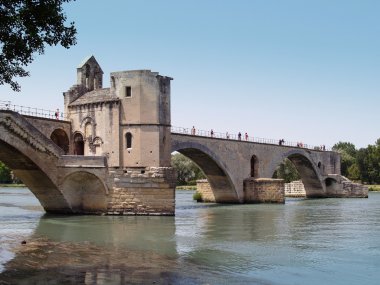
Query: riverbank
point(12, 185)
point(374, 188)
point(186, 187)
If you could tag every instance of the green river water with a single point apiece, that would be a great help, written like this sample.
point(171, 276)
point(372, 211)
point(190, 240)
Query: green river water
point(322, 241)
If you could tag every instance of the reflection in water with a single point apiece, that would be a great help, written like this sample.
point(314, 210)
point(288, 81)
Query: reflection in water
point(331, 241)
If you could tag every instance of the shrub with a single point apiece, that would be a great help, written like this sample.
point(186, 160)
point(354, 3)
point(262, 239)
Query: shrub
point(197, 196)
point(374, 188)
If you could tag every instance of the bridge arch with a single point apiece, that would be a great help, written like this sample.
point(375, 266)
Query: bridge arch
point(307, 169)
point(218, 176)
point(332, 185)
point(32, 168)
point(85, 192)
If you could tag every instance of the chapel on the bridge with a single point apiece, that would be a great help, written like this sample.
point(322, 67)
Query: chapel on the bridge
point(129, 122)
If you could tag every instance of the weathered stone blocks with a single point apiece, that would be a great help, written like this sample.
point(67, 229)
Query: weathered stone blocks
point(149, 191)
point(295, 189)
point(264, 190)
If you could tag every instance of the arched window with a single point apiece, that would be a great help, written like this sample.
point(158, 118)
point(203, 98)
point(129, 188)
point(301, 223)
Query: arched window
point(88, 130)
point(128, 137)
point(254, 166)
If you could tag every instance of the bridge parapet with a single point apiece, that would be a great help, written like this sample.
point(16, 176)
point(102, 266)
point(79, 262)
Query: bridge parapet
point(20, 127)
point(31, 111)
point(244, 138)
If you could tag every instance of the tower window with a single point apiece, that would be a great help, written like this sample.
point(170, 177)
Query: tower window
point(128, 138)
point(128, 91)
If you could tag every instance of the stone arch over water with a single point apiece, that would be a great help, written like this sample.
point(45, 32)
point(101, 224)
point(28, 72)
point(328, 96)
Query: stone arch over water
point(308, 171)
point(85, 192)
point(217, 175)
point(28, 166)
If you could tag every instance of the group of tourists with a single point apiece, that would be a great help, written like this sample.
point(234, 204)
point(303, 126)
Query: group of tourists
point(299, 144)
point(212, 134)
point(246, 137)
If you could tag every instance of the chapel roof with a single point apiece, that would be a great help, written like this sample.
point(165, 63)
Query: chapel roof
point(95, 96)
point(88, 59)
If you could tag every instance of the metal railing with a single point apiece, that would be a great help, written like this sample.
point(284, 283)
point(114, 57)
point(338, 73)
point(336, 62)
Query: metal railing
point(37, 112)
point(243, 137)
point(30, 111)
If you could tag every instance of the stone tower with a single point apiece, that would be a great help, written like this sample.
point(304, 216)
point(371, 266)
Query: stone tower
point(129, 125)
point(129, 122)
point(144, 117)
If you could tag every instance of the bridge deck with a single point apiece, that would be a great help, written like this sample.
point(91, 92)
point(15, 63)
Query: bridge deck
point(245, 139)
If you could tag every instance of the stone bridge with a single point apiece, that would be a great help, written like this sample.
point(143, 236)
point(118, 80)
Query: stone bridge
point(230, 164)
point(62, 183)
point(111, 154)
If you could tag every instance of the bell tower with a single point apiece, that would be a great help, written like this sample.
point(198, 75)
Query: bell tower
point(89, 74)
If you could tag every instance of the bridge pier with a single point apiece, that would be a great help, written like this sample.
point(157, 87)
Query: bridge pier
point(148, 191)
point(264, 190)
point(269, 190)
point(260, 190)
point(91, 187)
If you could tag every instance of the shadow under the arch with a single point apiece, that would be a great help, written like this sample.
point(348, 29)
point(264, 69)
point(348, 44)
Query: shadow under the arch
point(307, 172)
point(221, 185)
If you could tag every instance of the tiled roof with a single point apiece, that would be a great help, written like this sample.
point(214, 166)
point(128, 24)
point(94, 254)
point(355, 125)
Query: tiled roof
point(95, 96)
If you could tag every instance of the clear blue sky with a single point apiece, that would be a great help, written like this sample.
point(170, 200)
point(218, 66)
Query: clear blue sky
point(299, 70)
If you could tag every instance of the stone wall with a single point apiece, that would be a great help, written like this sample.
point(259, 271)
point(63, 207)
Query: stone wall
point(264, 190)
point(295, 189)
point(47, 126)
point(261, 190)
point(204, 188)
point(142, 191)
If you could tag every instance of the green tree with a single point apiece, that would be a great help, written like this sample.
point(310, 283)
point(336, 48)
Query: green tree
point(26, 27)
point(354, 172)
point(348, 153)
point(367, 161)
point(186, 169)
point(287, 171)
point(5, 174)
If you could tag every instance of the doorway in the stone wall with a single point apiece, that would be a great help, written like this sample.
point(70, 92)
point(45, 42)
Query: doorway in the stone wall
point(78, 144)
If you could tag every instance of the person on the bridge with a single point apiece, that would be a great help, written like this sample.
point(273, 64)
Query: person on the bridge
point(193, 131)
point(239, 136)
point(227, 135)
point(212, 133)
point(57, 114)
point(246, 136)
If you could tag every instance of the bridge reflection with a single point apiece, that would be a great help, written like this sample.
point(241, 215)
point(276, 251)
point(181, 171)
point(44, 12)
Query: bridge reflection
point(162, 250)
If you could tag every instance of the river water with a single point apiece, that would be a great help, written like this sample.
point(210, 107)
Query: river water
point(323, 241)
